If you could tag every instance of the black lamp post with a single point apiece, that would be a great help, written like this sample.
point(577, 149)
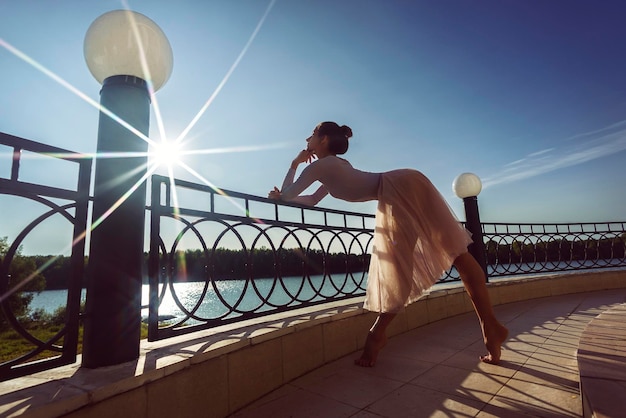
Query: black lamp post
point(467, 186)
point(123, 49)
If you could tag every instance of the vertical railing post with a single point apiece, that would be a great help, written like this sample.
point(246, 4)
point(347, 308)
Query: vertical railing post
point(154, 271)
point(15, 166)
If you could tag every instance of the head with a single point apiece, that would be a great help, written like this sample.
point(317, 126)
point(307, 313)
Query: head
point(336, 137)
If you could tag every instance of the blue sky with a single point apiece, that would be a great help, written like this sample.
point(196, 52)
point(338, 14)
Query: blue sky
point(528, 95)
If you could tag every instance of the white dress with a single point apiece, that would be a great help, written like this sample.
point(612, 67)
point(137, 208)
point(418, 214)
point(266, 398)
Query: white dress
point(416, 240)
point(417, 236)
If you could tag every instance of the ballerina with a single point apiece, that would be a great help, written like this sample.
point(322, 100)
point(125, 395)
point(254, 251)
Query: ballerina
point(416, 238)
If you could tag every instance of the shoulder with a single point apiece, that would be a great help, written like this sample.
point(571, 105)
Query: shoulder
point(333, 160)
point(313, 170)
point(324, 166)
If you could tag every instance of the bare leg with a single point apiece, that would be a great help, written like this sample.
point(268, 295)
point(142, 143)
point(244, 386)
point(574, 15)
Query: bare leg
point(494, 333)
point(376, 340)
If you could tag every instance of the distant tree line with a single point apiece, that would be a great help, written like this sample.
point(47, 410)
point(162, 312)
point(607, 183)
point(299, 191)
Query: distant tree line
point(224, 264)
point(557, 250)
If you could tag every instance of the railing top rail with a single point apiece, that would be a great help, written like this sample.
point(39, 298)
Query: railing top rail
point(19, 187)
point(26, 189)
point(544, 224)
point(233, 194)
point(28, 145)
point(537, 229)
point(158, 179)
point(14, 185)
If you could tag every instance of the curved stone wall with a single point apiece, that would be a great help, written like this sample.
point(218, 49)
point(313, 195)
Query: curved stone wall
point(217, 372)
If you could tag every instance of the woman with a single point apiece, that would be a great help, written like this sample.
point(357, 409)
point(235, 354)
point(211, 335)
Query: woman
point(416, 238)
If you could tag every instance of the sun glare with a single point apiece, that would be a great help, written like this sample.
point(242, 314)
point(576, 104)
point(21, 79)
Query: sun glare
point(166, 153)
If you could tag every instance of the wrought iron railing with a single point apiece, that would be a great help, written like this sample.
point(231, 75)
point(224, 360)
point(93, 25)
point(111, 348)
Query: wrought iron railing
point(284, 256)
point(218, 257)
point(61, 347)
point(235, 256)
point(513, 249)
point(253, 256)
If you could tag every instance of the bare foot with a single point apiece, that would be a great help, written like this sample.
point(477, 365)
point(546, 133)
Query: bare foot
point(494, 337)
point(373, 344)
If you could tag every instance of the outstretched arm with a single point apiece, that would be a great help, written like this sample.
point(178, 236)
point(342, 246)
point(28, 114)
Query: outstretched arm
point(309, 199)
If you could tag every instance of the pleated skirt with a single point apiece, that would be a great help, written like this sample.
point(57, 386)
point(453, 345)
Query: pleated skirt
point(416, 240)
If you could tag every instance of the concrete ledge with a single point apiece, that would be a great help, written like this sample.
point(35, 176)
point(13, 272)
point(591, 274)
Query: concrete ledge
point(216, 372)
point(602, 364)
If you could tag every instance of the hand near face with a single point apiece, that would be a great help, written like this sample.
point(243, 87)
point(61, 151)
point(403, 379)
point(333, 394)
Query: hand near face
point(304, 156)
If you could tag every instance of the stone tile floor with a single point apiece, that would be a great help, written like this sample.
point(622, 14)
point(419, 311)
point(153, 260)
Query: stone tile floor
point(433, 371)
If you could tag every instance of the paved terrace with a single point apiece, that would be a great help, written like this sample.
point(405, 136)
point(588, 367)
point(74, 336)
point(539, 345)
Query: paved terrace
point(432, 371)
point(300, 364)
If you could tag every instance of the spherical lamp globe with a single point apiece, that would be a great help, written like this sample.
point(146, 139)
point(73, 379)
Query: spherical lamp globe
point(467, 185)
point(123, 42)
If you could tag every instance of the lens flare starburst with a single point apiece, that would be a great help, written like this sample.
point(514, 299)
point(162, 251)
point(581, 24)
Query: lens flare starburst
point(165, 153)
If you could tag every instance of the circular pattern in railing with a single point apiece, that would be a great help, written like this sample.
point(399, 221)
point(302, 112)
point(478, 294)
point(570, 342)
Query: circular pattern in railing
point(239, 267)
point(274, 268)
point(519, 249)
point(11, 289)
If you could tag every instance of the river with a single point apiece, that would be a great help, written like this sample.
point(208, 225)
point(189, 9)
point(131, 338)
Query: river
point(230, 291)
point(211, 304)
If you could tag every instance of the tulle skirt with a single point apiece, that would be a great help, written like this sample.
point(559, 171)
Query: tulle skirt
point(417, 238)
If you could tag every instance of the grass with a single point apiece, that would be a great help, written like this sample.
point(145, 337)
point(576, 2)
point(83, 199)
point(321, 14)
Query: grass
point(13, 345)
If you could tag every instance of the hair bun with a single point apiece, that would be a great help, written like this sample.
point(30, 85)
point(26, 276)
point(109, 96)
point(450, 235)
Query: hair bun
point(346, 131)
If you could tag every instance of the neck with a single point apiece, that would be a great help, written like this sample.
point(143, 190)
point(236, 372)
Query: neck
point(323, 154)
